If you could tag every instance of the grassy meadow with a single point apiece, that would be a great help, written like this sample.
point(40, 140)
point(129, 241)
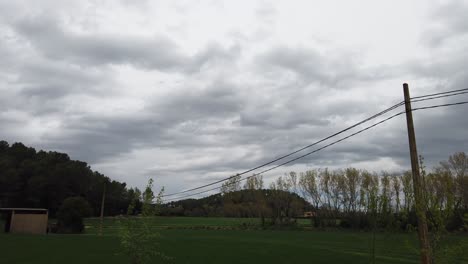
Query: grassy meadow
point(211, 240)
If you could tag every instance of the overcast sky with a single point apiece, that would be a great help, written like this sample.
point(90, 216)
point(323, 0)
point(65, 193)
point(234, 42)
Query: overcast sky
point(188, 92)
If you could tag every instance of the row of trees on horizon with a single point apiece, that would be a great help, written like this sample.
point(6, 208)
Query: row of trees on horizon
point(345, 197)
point(357, 198)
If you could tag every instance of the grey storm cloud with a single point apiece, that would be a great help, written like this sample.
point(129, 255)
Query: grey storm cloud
point(165, 122)
point(307, 63)
point(96, 138)
point(41, 87)
point(449, 21)
point(227, 107)
point(217, 100)
point(336, 70)
point(440, 130)
point(159, 52)
point(52, 80)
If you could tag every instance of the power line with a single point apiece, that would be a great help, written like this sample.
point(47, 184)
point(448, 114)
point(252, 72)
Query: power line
point(437, 97)
point(447, 92)
point(292, 153)
point(300, 157)
point(326, 146)
point(193, 194)
point(414, 99)
point(437, 106)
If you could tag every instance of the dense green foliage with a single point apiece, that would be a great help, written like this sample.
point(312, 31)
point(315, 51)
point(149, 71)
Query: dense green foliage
point(242, 203)
point(39, 179)
point(348, 198)
point(71, 213)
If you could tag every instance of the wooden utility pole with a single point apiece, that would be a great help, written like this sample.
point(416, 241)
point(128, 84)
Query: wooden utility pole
point(417, 183)
point(102, 208)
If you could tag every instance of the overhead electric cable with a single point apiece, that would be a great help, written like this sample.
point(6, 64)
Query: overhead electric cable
point(441, 105)
point(300, 157)
point(434, 94)
point(309, 153)
point(426, 97)
point(437, 97)
point(292, 153)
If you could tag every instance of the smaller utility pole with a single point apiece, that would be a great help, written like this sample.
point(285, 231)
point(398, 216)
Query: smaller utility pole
point(102, 208)
point(423, 232)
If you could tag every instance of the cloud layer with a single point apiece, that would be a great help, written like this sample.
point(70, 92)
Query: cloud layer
point(189, 93)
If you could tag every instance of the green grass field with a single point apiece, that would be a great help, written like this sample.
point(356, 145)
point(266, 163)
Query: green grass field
point(111, 225)
point(213, 246)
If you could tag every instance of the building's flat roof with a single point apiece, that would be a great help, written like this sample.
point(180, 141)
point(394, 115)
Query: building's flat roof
point(23, 209)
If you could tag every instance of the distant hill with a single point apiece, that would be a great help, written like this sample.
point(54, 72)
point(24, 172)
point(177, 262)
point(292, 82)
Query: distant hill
point(243, 203)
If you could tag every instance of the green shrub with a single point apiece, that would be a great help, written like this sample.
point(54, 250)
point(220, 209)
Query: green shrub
point(70, 215)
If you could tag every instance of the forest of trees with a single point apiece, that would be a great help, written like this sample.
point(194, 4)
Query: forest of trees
point(39, 179)
point(347, 197)
point(242, 203)
point(361, 197)
point(344, 197)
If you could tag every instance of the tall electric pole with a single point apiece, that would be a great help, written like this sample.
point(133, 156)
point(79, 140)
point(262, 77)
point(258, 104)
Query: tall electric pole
point(423, 232)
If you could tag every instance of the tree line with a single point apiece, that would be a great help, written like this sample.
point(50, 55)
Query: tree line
point(39, 179)
point(361, 197)
point(343, 197)
point(275, 205)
